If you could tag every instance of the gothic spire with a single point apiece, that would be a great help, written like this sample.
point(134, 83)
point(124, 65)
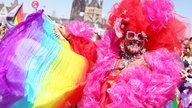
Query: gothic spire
point(94, 3)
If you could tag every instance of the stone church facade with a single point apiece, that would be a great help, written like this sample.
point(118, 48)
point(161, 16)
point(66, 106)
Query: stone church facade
point(90, 11)
point(78, 6)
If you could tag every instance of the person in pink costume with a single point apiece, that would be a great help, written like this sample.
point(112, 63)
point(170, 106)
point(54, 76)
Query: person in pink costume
point(138, 58)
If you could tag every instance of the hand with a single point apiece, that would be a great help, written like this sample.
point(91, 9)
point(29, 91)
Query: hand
point(183, 74)
point(63, 31)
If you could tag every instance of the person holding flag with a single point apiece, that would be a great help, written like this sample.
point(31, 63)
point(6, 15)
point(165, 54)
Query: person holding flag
point(38, 69)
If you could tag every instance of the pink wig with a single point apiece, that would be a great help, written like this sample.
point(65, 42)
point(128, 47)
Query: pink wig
point(157, 18)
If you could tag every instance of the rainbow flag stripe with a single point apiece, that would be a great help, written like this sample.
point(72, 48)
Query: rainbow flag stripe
point(15, 16)
point(19, 17)
point(37, 70)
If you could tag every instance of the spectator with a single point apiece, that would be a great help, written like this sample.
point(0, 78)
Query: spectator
point(186, 57)
point(190, 43)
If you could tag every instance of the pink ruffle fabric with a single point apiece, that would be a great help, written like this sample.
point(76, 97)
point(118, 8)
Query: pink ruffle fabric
point(108, 49)
point(158, 12)
point(80, 29)
point(117, 27)
point(156, 18)
point(142, 85)
point(81, 40)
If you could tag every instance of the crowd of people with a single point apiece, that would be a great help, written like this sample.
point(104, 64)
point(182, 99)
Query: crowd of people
point(131, 65)
point(186, 73)
point(3, 29)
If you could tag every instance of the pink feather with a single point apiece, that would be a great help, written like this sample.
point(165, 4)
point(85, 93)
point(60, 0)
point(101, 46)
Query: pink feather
point(81, 29)
point(158, 12)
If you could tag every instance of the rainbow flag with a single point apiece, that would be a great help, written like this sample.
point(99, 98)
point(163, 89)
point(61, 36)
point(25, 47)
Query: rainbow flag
point(37, 70)
point(15, 16)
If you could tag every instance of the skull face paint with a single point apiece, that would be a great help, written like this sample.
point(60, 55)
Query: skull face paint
point(134, 42)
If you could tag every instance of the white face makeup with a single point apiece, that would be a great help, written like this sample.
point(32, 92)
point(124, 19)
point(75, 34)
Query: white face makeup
point(134, 42)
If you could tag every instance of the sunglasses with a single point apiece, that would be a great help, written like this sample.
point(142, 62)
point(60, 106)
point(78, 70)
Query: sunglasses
point(130, 35)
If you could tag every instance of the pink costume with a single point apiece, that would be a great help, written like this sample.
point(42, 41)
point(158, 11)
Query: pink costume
point(145, 81)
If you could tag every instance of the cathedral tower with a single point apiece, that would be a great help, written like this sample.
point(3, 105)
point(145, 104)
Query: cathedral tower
point(91, 9)
point(77, 7)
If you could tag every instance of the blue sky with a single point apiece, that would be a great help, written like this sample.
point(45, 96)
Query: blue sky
point(62, 8)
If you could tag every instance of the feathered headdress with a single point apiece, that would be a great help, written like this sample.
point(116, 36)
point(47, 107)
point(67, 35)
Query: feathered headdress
point(157, 18)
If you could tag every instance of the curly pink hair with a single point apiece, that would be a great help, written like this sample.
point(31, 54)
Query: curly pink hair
point(157, 18)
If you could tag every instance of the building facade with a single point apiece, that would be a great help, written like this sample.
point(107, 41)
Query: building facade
point(78, 7)
point(93, 11)
point(88, 10)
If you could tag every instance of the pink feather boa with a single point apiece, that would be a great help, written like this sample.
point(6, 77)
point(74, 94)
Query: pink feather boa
point(158, 12)
point(80, 29)
point(138, 85)
point(143, 87)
